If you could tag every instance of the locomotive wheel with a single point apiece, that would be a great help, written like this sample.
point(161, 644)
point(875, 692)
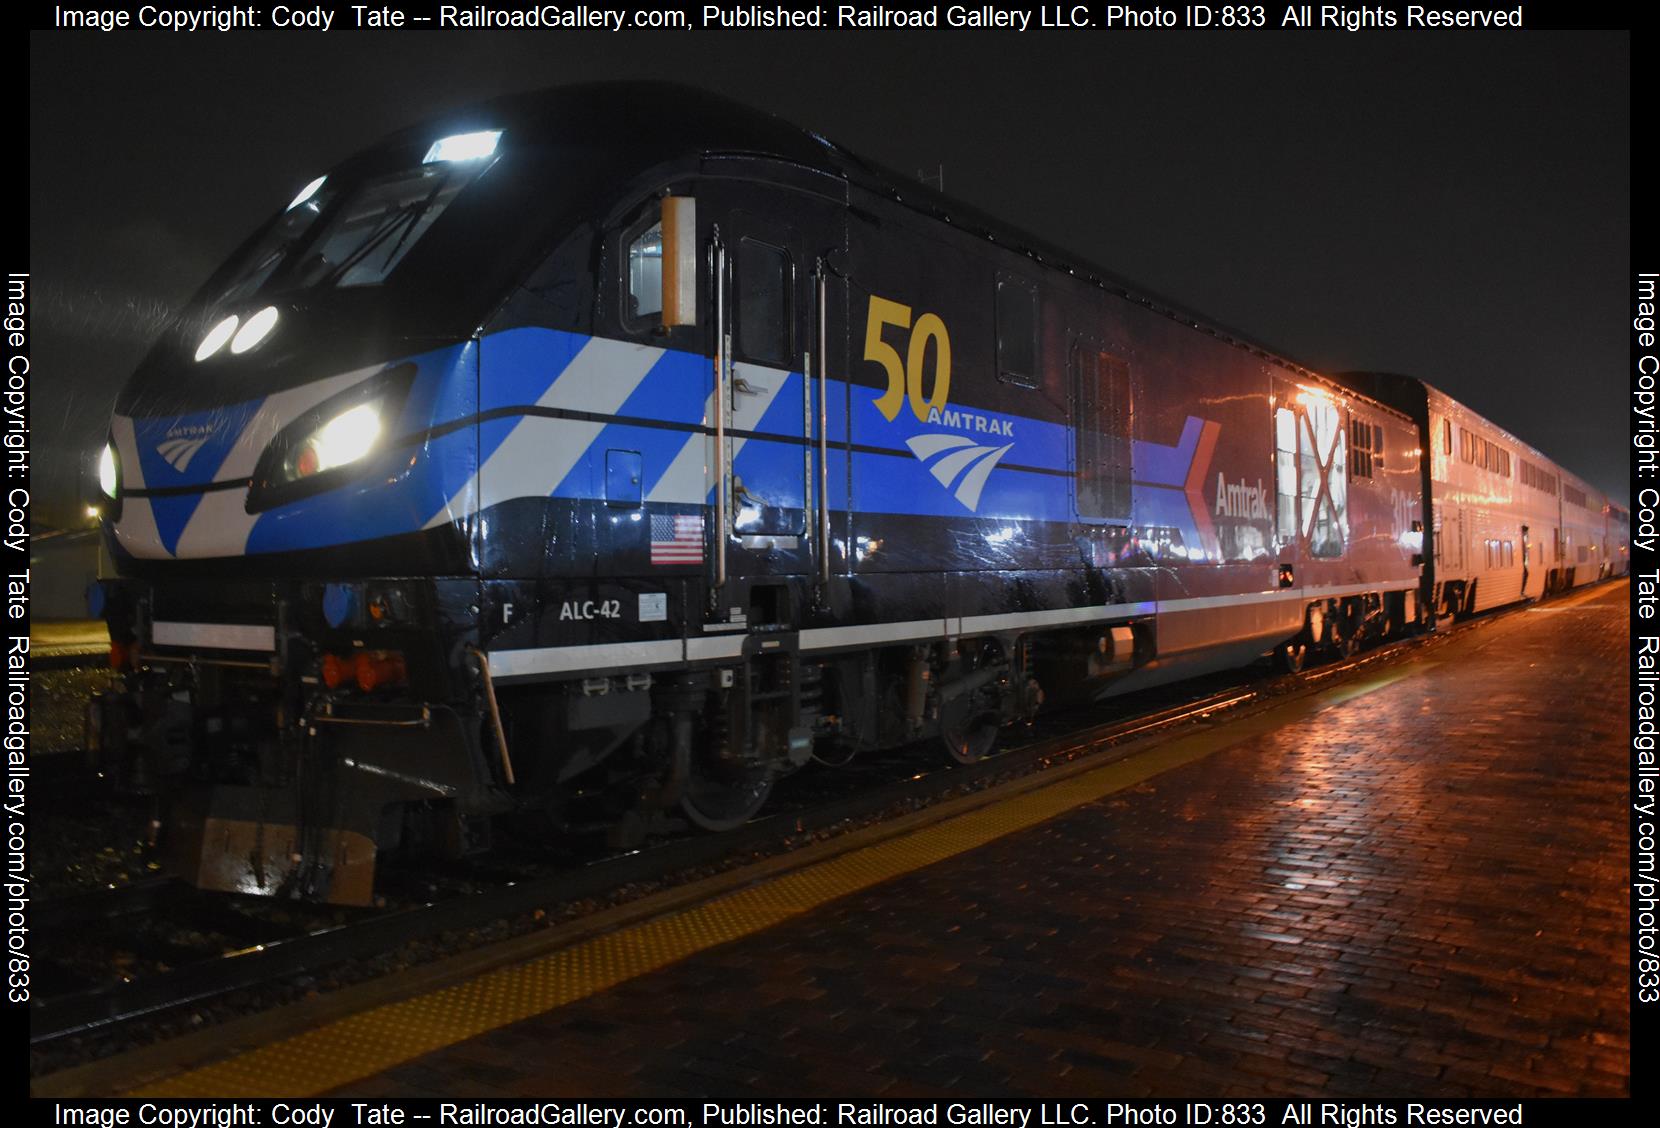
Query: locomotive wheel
point(1343, 633)
point(968, 737)
point(721, 797)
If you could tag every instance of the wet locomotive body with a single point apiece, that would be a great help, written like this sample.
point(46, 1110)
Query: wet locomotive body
point(615, 469)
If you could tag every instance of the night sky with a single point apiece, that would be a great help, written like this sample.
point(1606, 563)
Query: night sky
point(1455, 206)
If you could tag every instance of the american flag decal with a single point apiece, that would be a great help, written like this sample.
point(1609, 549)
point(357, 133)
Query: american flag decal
point(676, 540)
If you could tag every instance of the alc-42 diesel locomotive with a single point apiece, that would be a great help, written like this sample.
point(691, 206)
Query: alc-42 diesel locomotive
point(610, 452)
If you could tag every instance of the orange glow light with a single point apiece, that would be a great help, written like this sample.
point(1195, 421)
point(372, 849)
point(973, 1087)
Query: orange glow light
point(335, 670)
point(379, 668)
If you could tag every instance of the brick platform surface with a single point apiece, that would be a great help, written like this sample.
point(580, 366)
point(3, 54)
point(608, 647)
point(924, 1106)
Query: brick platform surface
point(1420, 891)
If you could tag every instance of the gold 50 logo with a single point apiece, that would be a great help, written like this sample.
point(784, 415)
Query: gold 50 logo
point(957, 462)
point(905, 373)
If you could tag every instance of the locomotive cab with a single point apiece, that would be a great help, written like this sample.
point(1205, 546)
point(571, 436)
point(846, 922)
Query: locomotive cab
point(361, 461)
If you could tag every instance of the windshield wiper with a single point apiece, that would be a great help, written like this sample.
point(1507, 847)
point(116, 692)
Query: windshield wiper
point(408, 217)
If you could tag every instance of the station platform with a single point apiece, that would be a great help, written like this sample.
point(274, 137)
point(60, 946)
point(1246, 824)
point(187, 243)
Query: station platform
point(1412, 883)
point(68, 638)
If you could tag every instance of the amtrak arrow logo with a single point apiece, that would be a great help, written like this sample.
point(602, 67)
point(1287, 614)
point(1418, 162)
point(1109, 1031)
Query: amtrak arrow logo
point(178, 450)
point(960, 460)
point(1194, 486)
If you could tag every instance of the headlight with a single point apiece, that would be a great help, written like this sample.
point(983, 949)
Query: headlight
point(109, 475)
point(216, 338)
point(254, 330)
point(341, 441)
point(342, 438)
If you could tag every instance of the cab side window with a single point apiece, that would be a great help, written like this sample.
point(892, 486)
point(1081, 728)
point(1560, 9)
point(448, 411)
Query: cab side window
point(643, 273)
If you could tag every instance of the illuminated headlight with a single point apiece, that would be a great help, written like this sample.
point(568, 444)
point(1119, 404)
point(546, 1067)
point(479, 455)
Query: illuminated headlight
point(338, 440)
point(463, 147)
point(216, 338)
point(341, 441)
point(109, 475)
point(255, 331)
point(306, 193)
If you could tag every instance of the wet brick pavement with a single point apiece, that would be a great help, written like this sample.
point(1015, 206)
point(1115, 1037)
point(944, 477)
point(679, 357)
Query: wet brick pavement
point(1419, 892)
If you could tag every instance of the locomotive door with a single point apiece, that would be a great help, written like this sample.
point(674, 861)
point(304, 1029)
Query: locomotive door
point(775, 348)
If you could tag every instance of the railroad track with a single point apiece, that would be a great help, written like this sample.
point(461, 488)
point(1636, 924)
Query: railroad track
point(334, 937)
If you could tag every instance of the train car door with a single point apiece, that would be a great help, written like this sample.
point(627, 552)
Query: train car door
point(780, 340)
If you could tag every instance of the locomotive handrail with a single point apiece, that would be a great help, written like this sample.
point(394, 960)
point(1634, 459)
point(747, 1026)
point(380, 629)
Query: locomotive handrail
point(489, 682)
point(821, 285)
point(141, 655)
point(720, 410)
point(423, 721)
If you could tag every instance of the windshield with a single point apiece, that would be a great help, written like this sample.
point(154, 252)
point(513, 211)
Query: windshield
point(350, 235)
point(260, 260)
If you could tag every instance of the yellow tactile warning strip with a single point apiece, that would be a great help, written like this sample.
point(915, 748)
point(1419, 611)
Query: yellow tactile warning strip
point(375, 1040)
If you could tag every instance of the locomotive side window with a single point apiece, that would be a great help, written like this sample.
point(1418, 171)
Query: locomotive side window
point(1360, 440)
point(644, 297)
point(1323, 478)
point(1101, 393)
point(659, 266)
point(1285, 473)
point(1017, 332)
point(763, 302)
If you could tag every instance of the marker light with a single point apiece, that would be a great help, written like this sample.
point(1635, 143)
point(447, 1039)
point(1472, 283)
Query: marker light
point(216, 338)
point(335, 670)
point(339, 602)
point(463, 147)
point(379, 669)
point(306, 193)
point(345, 438)
point(255, 330)
point(109, 479)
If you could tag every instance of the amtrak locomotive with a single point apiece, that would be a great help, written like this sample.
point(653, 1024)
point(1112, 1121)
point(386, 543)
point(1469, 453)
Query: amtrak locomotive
point(610, 452)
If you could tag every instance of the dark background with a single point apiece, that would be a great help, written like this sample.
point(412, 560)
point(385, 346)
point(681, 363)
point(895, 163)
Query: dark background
point(1454, 205)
